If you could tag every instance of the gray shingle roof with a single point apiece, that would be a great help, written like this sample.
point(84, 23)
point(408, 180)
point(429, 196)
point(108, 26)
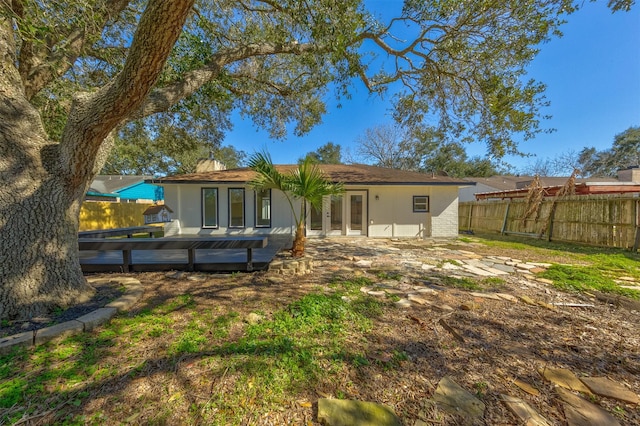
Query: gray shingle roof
point(107, 184)
point(354, 174)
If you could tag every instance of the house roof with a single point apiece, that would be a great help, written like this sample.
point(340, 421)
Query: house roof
point(156, 209)
point(349, 174)
point(108, 184)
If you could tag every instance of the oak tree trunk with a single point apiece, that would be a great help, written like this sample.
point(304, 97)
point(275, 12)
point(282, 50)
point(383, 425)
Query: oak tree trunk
point(39, 250)
point(42, 182)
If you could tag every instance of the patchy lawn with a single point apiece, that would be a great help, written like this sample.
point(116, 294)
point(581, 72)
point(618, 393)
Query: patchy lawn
point(232, 349)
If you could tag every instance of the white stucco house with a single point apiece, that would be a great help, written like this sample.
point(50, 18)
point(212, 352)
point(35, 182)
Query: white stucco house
point(377, 203)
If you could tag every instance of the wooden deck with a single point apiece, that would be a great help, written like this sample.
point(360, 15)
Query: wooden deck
point(120, 232)
point(210, 254)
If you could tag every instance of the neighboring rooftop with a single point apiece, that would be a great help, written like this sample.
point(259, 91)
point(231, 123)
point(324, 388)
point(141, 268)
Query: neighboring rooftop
point(504, 183)
point(628, 182)
point(108, 184)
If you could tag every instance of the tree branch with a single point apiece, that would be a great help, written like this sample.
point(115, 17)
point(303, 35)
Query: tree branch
point(41, 63)
point(94, 116)
point(161, 99)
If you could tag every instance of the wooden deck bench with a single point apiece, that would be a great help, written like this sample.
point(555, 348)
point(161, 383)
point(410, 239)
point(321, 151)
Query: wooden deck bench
point(191, 244)
point(120, 232)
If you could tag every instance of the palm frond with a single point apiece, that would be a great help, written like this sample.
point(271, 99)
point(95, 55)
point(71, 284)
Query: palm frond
point(267, 176)
point(308, 182)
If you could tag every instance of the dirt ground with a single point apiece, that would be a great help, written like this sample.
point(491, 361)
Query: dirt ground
point(484, 345)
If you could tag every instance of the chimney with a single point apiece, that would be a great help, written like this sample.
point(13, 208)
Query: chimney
point(209, 165)
point(630, 174)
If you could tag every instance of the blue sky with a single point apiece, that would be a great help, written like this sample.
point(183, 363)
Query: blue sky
point(592, 75)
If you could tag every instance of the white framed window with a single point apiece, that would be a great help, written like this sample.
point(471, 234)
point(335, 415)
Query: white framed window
point(263, 208)
point(236, 207)
point(209, 207)
point(420, 203)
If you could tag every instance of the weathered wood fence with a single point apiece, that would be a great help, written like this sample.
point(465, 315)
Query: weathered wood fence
point(606, 221)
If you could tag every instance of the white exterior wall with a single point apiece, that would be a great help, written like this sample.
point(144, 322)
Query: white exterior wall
point(389, 216)
point(392, 214)
point(444, 212)
point(187, 200)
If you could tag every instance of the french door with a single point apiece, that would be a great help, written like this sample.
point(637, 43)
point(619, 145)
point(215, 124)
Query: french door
point(340, 215)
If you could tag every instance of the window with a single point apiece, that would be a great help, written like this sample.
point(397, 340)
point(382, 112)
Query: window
point(420, 203)
point(263, 209)
point(209, 207)
point(236, 207)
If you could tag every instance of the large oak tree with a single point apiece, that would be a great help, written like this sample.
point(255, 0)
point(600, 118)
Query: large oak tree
point(72, 73)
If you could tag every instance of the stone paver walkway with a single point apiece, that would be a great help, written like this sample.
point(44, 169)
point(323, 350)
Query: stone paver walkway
point(409, 268)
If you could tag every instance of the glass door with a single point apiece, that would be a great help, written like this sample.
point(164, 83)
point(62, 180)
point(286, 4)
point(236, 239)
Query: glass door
point(340, 215)
point(356, 213)
point(334, 215)
point(315, 221)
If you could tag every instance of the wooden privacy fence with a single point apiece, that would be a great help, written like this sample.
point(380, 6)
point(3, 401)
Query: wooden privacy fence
point(107, 215)
point(606, 221)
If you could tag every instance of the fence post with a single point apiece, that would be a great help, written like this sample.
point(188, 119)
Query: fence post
point(636, 243)
point(552, 213)
point(470, 216)
point(506, 214)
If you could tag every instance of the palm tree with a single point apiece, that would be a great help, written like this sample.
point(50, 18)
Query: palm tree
point(305, 183)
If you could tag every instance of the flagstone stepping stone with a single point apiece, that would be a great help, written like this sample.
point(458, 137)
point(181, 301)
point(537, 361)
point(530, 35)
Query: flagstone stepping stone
point(403, 303)
point(456, 400)
point(504, 268)
point(478, 271)
point(610, 389)
point(364, 263)
point(492, 296)
point(427, 267)
point(580, 412)
point(508, 297)
point(387, 284)
point(275, 280)
point(565, 378)
point(197, 278)
point(529, 301)
point(175, 274)
point(496, 271)
point(527, 415)
point(526, 387)
point(467, 252)
point(377, 293)
point(450, 266)
point(469, 306)
point(443, 307)
point(540, 264)
point(425, 290)
point(342, 412)
point(417, 299)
